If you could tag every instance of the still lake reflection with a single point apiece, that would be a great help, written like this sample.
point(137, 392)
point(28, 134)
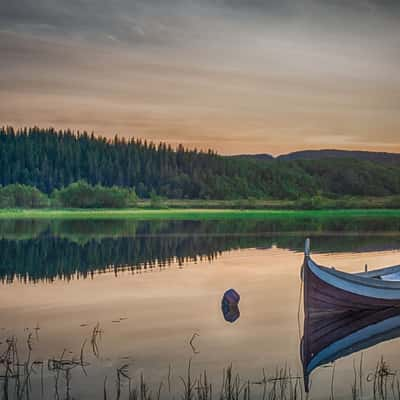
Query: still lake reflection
point(155, 290)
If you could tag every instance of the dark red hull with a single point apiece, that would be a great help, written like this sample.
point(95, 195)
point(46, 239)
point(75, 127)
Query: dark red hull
point(322, 298)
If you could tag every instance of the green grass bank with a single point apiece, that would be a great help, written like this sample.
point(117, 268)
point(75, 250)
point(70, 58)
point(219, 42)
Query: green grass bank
point(191, 214)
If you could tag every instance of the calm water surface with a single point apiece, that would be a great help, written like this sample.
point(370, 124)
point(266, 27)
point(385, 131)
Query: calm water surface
point(152, 287)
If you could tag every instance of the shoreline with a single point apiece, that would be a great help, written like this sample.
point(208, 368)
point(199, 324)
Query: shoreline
point(191, 214)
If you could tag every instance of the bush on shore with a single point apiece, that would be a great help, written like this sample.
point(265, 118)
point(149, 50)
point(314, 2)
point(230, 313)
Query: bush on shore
point(156, 201)
point(393, 202)
point(82, 195)
point(313, 203)
point(22, 196)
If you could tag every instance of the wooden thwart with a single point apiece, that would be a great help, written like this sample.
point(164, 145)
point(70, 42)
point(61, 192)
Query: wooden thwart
point(380, 272)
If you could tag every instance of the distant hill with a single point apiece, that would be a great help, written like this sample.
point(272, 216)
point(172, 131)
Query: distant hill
point(380, 157)
point(357, 155)
point(260, 157)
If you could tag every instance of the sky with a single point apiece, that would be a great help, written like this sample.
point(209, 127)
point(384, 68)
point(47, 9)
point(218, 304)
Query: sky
point(238, 76)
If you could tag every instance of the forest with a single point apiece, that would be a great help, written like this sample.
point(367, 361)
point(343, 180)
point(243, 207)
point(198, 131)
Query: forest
point(47, 163)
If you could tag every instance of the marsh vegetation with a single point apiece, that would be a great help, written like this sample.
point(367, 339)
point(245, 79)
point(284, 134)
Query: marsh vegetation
point(24, 374)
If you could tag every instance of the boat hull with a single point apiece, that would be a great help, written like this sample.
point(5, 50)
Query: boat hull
point(327, 292)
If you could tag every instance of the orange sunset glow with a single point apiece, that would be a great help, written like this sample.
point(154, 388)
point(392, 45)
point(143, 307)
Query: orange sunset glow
point(234, 76)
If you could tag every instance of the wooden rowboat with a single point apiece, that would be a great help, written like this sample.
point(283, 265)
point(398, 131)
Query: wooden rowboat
point(327, 290)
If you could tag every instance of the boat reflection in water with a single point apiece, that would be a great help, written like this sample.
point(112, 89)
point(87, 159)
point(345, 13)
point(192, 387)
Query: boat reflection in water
point(337, 322)
point(230, 305)
point(330, 337)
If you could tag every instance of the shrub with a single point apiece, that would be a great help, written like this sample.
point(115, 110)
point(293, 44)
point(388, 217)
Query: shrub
point(394, 202)
point(156, 201)
point(82, 195)
point(22, 196)
point(312, 203)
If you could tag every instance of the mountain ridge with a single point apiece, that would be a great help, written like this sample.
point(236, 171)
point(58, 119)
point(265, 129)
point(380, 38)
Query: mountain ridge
point(376, 156)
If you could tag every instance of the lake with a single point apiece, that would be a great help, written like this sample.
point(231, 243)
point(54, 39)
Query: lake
point(89, 307)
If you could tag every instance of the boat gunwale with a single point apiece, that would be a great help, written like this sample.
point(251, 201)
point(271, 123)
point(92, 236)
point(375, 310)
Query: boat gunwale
point(356, 279)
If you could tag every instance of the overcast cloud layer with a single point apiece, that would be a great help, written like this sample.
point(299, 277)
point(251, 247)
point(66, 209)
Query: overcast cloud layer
point(239, 76)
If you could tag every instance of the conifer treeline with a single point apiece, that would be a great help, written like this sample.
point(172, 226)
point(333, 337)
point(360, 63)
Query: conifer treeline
point(49, 159)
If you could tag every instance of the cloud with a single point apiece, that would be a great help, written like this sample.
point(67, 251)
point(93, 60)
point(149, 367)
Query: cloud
point(223, 73)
